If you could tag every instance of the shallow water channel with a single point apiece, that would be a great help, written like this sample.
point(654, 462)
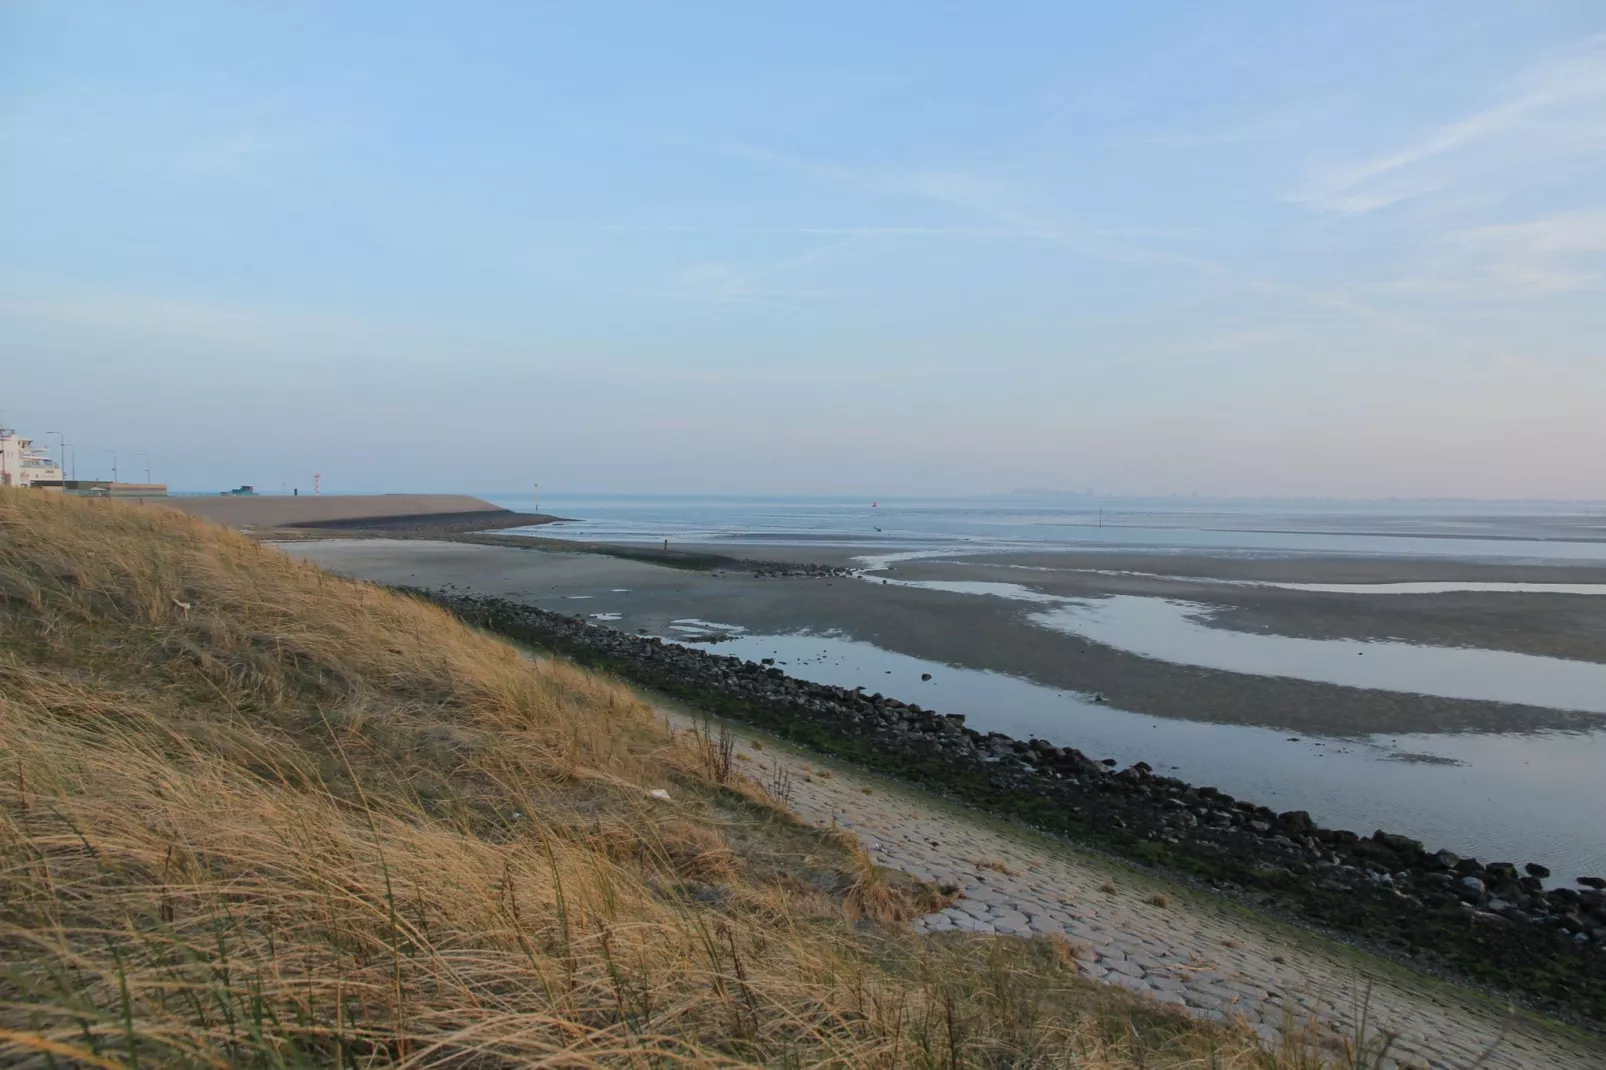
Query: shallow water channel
point(1178, 631)
point(1501, 797)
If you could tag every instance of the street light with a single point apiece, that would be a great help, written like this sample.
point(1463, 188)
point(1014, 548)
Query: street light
point(70, 446)
point(147, 468)
point(114, 464)
point(61, 449)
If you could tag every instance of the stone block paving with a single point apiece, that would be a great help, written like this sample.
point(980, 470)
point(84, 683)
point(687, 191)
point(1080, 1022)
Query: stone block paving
point(1171, 946)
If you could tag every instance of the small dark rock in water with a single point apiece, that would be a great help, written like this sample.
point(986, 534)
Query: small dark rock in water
point(1107, 761)
point(766, 661)
point(1293, 739)
point(1597, 883)
point(1536, 870)
point(925, 676)
point(1098, 696)
point(1417, 758)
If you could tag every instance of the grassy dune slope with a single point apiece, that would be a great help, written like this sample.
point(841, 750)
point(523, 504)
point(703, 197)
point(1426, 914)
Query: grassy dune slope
point(254, 814)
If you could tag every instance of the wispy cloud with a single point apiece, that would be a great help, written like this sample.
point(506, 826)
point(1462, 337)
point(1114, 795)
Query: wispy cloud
point(1283, 123)
point(725, 283)
point(846, 231)
point(1556, 109)
point(1557, 253)
point(969, 189)
point(146, 317)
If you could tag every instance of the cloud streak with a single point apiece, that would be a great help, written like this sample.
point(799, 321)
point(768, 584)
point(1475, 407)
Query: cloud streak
point(1555, 109)
point(1554, 254)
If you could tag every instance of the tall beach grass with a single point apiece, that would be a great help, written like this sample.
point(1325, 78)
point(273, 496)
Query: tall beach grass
point(253, 814)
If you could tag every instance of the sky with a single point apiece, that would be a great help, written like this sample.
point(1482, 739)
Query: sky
point(1347, 250)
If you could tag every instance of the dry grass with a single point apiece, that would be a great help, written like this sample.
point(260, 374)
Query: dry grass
point(251, 814)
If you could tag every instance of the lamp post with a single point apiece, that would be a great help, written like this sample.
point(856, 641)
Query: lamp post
point(147, 468)
point(70, 446)
point(61, 450)
point(114, 464)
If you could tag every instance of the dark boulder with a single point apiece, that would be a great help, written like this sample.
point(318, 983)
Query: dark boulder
point(1395, 842)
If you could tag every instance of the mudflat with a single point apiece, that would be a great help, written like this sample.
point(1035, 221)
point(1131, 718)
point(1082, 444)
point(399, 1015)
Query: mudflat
point(997, 634)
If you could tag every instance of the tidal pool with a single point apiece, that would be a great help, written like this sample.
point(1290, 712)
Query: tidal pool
point(1500, 797)
point(1178, 631)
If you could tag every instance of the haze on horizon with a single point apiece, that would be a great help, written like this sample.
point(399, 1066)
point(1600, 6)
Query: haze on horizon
point(1247, 249)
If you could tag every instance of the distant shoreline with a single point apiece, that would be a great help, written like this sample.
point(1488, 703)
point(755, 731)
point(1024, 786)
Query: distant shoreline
point(370, 515)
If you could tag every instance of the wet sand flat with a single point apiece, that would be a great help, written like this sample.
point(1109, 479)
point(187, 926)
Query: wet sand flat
point(1549, 625)
point(996, 634)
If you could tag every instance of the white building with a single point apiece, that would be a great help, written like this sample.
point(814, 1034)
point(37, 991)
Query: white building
point(22, 465)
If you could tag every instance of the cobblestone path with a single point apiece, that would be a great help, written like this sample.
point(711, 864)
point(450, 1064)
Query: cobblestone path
point(1176, 946)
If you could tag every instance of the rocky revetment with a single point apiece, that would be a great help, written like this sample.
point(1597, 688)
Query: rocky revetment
point(1496, 923)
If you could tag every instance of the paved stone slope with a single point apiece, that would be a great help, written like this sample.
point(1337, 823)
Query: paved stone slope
point(1210, 958)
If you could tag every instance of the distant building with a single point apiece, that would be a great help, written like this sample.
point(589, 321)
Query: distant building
point(22, 465)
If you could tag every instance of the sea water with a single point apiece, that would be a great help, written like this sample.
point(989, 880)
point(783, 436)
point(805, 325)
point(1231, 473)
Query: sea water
point(1524, 531)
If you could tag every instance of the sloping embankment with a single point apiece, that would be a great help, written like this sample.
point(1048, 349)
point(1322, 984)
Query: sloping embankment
point(255, 814)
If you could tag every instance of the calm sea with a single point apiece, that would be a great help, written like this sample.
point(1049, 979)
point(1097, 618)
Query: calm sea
point(1539, 531)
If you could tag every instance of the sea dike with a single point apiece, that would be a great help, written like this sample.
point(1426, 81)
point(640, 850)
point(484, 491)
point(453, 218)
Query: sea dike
point(1492, 922)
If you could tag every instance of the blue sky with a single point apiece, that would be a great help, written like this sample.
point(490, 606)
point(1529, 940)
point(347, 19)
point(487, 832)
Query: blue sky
point(1251, 248)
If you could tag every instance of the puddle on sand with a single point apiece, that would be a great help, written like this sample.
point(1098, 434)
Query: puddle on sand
point(1500, 797)
point(693, 626)
point(1178, 632)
